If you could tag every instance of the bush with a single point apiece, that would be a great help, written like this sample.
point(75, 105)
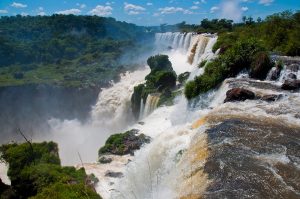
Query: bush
point(202, 64)
point(159, 62)
point(183, 77)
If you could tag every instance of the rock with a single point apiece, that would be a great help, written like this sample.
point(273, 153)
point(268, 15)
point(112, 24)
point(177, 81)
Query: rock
point(274, 73)
point(260, 66)
point(113, 174)
point(124, 143)
point(271, 98)
point(105, 160)
point(292, 76)
point(291, 85)
point(293, 67)
point(183, 77)
point(238, 94)
point(141, 123)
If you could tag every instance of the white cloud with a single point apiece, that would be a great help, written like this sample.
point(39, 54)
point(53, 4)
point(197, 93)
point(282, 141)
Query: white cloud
point(171, 10)
point(82, 6)
point(72, 11)
point(244, 9)
point(194, 7)
point(41, 8)
point(196, 2)
point(266, 2)
point(203, 1)
point(41, 13)
point(214, 9)
point(24, 14)
point(109, 3)
point(101, 10)
point(3, 11)
point(230, 9)
point(132, 9)
point(18, 5)
point(149, 4)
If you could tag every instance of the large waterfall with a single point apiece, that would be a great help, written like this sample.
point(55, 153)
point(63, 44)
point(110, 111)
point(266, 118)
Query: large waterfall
point(202, 148)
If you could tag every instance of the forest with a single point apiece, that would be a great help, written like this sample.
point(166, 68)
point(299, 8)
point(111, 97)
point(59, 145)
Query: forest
point(65, 50)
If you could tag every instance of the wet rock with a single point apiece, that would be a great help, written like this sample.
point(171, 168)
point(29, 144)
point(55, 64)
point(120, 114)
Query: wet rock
point(271, 98)
point(274, 73)
point(113, 174)
point(291, 85)
point(105, 160)
point(124, 143)
point(261, 66)
point(183, 77)
point(292, 76)
point(141, 123)
point(238, 94)
point(293, 67)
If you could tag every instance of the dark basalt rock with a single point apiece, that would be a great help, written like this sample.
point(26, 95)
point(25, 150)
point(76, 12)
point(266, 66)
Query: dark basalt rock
point(292, 76)
point(113, 174)
point(124, 143)
point(238, 94)
point(293, 67)
point(105, 160)
point(275, 73)
point(291, 85)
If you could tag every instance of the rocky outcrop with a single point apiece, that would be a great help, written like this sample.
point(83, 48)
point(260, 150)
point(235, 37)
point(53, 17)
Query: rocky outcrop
point(124, 143)
point(238, 94)
point(260, 66)
point(105, 160)
point(271, 97)
point(291, 84)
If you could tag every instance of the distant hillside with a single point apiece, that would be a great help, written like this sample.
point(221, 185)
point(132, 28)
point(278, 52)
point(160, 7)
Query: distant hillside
point(65, 49)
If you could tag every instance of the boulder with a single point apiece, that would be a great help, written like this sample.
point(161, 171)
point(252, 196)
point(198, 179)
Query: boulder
point(274, 73)
point(238, 94)
point(113, 174)
point(293, 67)
point(105, 160)
point(291, 84)
point(292, 76)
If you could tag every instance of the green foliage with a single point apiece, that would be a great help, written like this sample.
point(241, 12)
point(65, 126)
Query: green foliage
point(202, 64)
point(35, 168)
point(123, 143)
point(260, 66)
point(279, 33)
point(183, 77)
point(215, 72)
point(66, 191)
point(64, 49)
point(238, 57)
point(159, 63)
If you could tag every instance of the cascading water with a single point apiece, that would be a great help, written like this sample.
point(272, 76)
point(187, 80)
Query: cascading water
point(151, 104)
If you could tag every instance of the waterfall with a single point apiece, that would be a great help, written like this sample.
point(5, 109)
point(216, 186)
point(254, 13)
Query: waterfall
point(151, 104)
point(192, 45)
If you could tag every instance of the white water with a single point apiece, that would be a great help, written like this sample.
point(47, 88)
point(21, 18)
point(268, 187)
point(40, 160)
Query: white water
point(154, 166)
point(111, 114)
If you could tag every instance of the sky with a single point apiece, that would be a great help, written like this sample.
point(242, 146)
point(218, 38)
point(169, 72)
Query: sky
point(151, 12)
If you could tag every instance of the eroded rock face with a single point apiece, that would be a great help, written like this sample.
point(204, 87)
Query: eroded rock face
point(238, 94)
point(291, 84)
point(105, 160)
point(253, 159)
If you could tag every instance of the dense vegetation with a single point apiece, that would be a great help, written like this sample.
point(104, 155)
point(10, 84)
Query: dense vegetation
point(247, 47)
point(35, 170)
point(162, 79)
point(123, 143)
point(65, 49)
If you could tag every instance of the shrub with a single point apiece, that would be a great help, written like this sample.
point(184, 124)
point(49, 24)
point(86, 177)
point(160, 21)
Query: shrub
point(260, 66)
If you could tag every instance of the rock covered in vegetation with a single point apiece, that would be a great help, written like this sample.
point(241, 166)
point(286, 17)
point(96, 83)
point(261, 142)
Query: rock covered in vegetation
point(161, 78)
point(291, 84)
point(124, 143)
point(183, 77)
point(260, 66)
point(35, 171)
point(238, 94)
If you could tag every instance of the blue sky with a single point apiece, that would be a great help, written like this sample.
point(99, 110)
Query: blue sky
point(151, 12)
